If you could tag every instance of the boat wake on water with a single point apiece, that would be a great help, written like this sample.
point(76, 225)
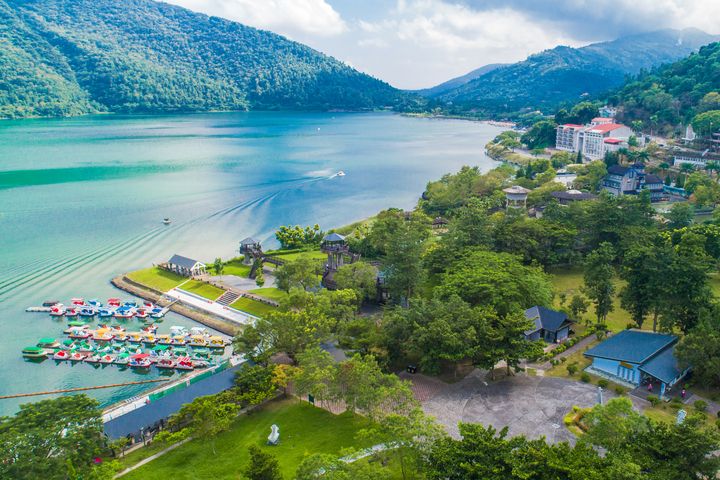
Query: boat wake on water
point(32, 276)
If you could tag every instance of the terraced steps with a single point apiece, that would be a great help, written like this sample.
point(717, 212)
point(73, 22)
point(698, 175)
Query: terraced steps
point(227, 298)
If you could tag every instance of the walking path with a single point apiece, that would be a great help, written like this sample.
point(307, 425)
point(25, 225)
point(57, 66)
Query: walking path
point(223, 311)
point(153, 457)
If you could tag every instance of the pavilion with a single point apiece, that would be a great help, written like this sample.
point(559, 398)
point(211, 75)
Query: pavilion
point(186, 267)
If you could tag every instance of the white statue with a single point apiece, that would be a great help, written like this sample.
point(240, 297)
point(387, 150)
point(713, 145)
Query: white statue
point(274, 437)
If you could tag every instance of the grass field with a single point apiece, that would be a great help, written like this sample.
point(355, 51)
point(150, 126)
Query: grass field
point(252, 307)
point(203, 289)
point(270, 292)
point(570, 281)
point(157, 278)
point(304, 430)
point(237, 268)
point(291, 255)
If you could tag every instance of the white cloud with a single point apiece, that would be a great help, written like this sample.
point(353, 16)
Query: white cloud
point(293, 18)
point(433, 40)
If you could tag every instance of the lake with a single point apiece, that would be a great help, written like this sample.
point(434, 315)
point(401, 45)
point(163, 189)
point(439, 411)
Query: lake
point(82, 200)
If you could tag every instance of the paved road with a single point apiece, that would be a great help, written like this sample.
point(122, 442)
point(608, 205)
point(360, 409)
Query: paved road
point(530, 406)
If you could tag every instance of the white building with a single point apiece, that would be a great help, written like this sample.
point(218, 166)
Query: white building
point(593, 140)
point(567, 137)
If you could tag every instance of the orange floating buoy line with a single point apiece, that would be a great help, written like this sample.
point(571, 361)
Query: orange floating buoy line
point(80, 389)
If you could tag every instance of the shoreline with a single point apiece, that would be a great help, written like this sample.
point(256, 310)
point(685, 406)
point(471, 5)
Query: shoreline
point(221, 325)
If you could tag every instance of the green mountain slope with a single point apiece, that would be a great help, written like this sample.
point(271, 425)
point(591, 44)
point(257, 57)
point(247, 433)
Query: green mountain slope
point(674, 93)
point(66, 57)
point(456, 82)
point(547, 79)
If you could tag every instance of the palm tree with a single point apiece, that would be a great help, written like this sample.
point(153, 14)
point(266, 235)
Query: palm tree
point(642, 156)
point(664, 167)
point(687, 168)
point(713, 168)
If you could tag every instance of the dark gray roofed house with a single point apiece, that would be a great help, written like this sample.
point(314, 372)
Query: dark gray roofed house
point(631, 181)
point(186, 267)
point(550, 325)
point(569, 196)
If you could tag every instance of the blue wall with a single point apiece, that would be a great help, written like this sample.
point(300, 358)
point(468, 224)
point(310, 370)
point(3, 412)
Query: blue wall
point(613, 367)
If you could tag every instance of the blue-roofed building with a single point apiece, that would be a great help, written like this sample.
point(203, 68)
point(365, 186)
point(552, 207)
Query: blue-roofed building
point(550, 325)
point(636, 357)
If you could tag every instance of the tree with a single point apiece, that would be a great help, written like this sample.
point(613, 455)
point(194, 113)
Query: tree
point(255, 384)
point(260, 278)
point(299, 237)
point(218, 266)
point(302, 273)
point(578, 306)
point(289, 331)
point(700, 348)
point(598, 279)
point(262, 466)
point(360, 277)
point(707, 122)
point(645, 270)
point(498, 280)
point(680, 215)
point(660, 450)
point(47, 436)
point(541, 135)
point(403, 260)
point(204, 418)
point(512, 345)
point(316, 375)
point(430, 332)
point(329, 467)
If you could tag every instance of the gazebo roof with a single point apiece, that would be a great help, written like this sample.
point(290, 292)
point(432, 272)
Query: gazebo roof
point(249, 241)
point(516, 190)
point(184, 262)
point(333, 237)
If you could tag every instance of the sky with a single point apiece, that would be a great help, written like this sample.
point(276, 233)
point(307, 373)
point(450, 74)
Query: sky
point(420, 43)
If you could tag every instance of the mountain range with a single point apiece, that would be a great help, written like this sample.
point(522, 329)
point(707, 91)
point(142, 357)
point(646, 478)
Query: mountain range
point(564, 74)
point(71, 57)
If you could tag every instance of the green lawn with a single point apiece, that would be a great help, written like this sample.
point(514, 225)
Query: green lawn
point(570, 280)
point(304, 430)
point(580, 360)
point(252, 307)
point(157, 278)
point(270, 292)
point(203, 289)
point(237, 268)
point(291, 255)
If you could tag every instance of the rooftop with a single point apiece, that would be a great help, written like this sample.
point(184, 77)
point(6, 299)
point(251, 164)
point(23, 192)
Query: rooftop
point(516, 190)
point(606, 127)
point(632, 346)
point(573, 195)
point(550, 320)
point(572, 125)
point(664, 366)
point(613, 141)
point(184, 262)
point(333, 237)
point(249, 241)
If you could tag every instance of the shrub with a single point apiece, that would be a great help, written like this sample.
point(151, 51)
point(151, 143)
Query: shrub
point(603, 383)
point(717, 423)
point(585, 377)
point(563, 359)
point(654, 400)
point(619, 390)
point(554, 362)
point(628, 326)
point(572, 369)
point(700, 405)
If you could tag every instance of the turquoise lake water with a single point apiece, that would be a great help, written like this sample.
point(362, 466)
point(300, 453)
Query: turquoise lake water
point(82, 200)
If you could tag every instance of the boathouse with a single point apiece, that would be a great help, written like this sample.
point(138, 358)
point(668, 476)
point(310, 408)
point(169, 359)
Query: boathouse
point(638, 357)
point(186, 267)
point(549, 325)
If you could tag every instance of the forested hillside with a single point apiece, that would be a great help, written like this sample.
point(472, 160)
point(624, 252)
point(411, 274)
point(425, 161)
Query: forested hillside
point(564, 74)
point(68, 57)
point(674, 93)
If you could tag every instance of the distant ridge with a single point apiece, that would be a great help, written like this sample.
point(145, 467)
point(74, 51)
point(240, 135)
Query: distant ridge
point(565, 74)
point(458, 81)
point(71, 57)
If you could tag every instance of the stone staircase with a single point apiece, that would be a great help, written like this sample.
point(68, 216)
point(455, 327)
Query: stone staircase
point(227, 298)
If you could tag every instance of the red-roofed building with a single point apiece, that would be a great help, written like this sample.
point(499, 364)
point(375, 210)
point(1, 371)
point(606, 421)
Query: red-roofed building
point(594, 140)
